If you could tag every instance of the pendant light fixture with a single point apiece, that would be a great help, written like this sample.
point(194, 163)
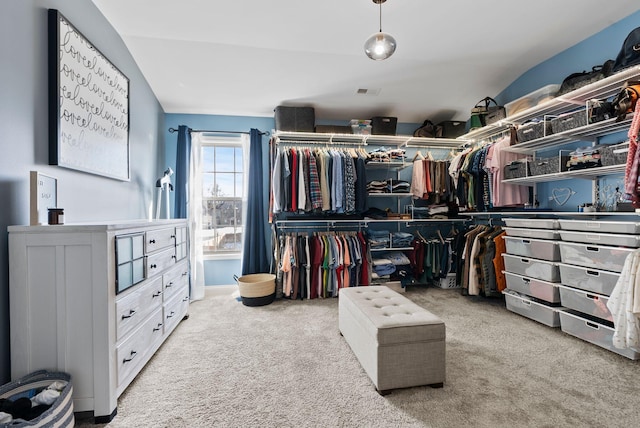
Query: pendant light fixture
point(380, 45)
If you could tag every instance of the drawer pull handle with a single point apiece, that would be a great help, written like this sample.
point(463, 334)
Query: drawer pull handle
point(526, 241)
point(526, 280)
point(152, 241)
point(185, 273)
point(156, 294)
point(157, 327)
point(131, 313)
point(171, 315)
point(132, 356)
point(169, 285)
point(593, 273)
point(185, 298)
point(594, 249)
point(592, 325)
point(173, 236)
point(524, 260)
point(153, 266)
point(591, 296)
point(173, 256)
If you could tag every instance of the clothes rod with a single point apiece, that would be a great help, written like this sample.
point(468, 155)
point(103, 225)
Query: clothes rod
point(172, 130)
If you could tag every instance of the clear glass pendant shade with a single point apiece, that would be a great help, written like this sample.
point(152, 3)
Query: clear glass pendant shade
point(380, 46)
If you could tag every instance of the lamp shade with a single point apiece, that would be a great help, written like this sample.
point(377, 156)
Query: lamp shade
point(380, 46)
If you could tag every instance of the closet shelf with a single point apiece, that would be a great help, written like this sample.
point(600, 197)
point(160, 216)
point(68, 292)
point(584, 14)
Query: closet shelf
point(398, 195)
point(387, 165)
point(601, 89)
point(587, 173)
point(392, 249)
point(358, 139)
point(584, 133)
point(535, 213)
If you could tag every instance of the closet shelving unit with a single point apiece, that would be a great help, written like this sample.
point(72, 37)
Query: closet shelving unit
point(360, 140)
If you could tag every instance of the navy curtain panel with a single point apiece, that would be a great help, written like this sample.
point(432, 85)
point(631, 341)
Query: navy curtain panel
point(254, 256)
point(183, 156)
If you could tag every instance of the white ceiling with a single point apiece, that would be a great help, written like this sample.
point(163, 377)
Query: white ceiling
point(246, 57)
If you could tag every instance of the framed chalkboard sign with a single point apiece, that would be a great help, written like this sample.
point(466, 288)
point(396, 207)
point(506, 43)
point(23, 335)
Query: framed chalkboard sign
point(88, 105)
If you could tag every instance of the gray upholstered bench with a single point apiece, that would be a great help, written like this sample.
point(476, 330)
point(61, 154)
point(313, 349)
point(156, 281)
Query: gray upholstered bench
point(398, 343)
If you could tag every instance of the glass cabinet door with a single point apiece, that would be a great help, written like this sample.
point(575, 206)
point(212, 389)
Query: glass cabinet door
point(129, 261)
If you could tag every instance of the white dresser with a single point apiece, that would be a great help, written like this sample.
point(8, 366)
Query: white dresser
point(95, 301)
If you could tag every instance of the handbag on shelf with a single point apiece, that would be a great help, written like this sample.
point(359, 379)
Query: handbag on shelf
point(427, 130)
point(488, 113)
point(629, 53)
point(580, 79)
point(625, 101)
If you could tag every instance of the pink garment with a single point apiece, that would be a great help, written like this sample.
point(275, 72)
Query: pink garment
point(631, 169)
point(417, 179)
point(505, 194)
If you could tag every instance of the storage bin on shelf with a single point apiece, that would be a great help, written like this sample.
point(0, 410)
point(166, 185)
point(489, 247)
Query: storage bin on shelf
point(383, 125)
point(532, 268)
point(532, 308)
point(543, 290)
point(536, 248)
point(533, 130)
point(296, 119)
point(548, 165)
point(614, 154)
point(585, 302)
point(517, 169)
point(588, 279)
point(594, 331)
point(568, 121)
point(361, 126)
point(532, 99)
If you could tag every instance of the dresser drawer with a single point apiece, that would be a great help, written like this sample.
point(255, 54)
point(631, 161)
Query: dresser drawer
point(174, 279)
point(150, 296)
point(160, 238)
point(133, 351)
point(160, 261)
point(176, 308)
point(128, 314)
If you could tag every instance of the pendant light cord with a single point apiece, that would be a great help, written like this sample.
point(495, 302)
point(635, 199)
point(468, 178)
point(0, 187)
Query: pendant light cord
point(380, 17)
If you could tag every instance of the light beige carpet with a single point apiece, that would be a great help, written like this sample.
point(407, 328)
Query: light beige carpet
point(286, 365)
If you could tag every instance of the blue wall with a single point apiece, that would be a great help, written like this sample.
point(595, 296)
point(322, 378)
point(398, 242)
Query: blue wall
point(23, 120)
point(591, 52)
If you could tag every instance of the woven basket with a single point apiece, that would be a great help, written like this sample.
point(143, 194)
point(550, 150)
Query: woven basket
point(59, 415)
point(257, 289)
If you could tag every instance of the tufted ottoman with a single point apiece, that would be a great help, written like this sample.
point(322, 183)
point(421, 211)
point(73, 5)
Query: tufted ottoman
point(398, 343)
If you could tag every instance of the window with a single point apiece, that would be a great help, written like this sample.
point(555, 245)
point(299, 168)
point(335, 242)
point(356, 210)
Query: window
point(223, 176)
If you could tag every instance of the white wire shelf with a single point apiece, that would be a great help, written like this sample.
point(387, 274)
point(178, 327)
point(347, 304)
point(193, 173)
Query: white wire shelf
point(359, 139)
point(587, 173)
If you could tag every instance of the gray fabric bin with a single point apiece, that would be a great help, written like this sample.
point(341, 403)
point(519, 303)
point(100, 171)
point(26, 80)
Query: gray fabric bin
point(614, 154)
point(534, 130)
point(517, 169)
point(551, 165)
point(569, 121)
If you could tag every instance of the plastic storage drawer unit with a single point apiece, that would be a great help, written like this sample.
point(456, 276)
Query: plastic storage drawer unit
point(543, 290)
point(585, 302)
point(588, 279)
point(594, 332)
point(536, 248)
point(532, 233)
point(601, 238)
point(532, 268)
point(631, 227)
point(597, 256)
point(527, 307)
point(532, 223)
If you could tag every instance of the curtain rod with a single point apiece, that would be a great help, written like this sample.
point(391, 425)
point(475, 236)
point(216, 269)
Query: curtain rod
point(172, 130)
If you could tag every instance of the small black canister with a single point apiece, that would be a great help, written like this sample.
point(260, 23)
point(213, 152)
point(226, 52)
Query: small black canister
point(56, 215)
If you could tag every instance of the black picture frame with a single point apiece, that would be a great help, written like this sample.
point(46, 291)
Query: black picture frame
point(88, 105)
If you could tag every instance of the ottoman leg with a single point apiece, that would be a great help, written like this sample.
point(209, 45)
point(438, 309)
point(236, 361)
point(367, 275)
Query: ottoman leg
point(384, 392)
point(437, 385)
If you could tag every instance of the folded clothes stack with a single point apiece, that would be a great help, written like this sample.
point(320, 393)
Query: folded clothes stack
point(584, 157)
point(383, 267)
point(377, 186)
point(379, 239)
point(382, 154)
point(397, 258)
point(401, 239)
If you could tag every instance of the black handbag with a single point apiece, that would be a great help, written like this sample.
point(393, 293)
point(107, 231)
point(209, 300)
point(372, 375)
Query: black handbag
point(580, 79)
point(488, 113)
point(427, 130)
point(629, 53)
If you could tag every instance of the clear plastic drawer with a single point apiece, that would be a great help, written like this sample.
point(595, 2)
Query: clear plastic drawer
point(631, 227)
point(532, 268)
point(595, 256)
point(532, 233)
point(537, 288)
point(527, 307)
point(588, 279)
point(533, 223)
point(583, 301)
point(601, 238)
point(537, 248)
point(600, 334)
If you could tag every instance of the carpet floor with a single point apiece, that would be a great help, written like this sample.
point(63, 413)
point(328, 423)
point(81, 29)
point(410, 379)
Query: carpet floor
point(286, 365)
